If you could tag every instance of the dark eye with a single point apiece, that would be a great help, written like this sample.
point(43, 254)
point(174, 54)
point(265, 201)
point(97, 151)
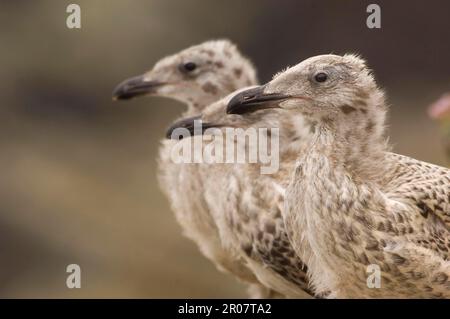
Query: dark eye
point(321, 77)
point(188, 67)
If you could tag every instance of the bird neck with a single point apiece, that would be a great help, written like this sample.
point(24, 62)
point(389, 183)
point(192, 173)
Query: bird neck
point(358, 148)
point(193, 109)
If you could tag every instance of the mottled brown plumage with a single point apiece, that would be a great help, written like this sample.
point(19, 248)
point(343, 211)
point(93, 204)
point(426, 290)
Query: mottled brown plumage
point(247, 205)
point(219, 69)
point(351, 203)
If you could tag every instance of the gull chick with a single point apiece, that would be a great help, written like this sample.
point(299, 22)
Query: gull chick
point(247, 205)
point(353, 208)
point(196, 76)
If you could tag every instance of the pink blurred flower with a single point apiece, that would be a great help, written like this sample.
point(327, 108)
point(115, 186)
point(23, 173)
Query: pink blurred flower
point(441, 108)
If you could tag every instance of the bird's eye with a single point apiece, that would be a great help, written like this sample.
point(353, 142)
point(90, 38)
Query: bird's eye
point(321, 77)
point(188, 67)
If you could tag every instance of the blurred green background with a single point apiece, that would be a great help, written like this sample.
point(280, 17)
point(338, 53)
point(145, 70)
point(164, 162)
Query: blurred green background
point(78, 171)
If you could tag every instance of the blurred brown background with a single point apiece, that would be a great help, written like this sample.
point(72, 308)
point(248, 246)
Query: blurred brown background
point(77, 178)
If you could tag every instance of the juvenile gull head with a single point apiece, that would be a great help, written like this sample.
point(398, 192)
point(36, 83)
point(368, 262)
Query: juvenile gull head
point(328, 88)
point(335, 93)
point(292, 130)
point(196, 76)
point(215, 116)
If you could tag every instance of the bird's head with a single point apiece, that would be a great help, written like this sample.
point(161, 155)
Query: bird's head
point(214, 117)
point(325, 88)
point(197, 76)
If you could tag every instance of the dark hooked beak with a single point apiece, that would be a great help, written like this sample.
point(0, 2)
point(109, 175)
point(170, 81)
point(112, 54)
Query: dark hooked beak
point(253, 100)
point(189, 124)
point(135, 86)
